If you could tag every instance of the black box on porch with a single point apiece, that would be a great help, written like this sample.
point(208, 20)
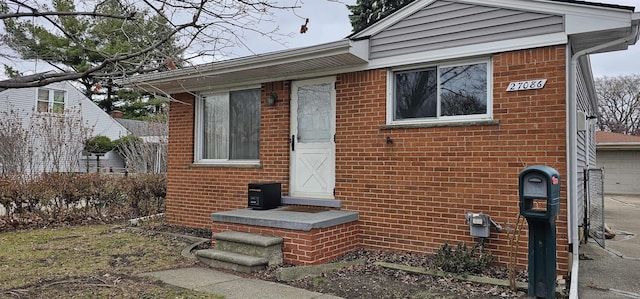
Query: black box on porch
point(264, 196)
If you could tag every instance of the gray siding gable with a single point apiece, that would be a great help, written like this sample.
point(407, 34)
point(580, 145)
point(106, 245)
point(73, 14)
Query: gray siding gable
point(445, 24)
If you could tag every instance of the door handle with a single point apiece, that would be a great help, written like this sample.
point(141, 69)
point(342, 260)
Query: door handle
point(293, 143)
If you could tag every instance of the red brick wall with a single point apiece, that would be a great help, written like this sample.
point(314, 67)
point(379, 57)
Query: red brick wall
point(305, 248)
point(194, 191)
point(411, 194)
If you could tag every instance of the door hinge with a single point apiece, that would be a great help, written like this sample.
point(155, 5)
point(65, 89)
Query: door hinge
point(334, 191)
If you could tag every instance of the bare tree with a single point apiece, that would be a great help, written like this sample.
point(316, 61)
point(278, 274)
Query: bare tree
point(46, 142)
point(619, 104)
point(14, 138)
point(148, 153)
point(205, 28)
point(59, 138)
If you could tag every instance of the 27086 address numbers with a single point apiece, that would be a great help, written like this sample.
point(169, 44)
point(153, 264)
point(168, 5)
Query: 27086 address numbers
point(526, 85)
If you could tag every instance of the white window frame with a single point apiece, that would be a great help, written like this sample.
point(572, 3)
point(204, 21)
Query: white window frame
point(438, 119)
point(51, 100)
point(199, 131)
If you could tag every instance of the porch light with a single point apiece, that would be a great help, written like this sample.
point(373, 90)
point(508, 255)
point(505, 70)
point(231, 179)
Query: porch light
point(273, 97)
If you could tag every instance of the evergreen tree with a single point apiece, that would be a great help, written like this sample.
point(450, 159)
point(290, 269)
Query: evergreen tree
point(367, 12)
point(80, 43)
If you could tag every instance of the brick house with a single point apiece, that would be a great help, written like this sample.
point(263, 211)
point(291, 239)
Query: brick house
point(411, 123)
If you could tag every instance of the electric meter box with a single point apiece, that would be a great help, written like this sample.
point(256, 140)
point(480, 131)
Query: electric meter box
point(479, 225)
point(539, 192)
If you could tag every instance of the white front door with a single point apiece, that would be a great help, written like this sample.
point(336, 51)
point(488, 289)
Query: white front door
point(313, 126)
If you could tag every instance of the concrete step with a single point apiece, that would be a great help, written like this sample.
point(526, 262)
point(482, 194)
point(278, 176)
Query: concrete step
point(232, 261)
point(261, 246)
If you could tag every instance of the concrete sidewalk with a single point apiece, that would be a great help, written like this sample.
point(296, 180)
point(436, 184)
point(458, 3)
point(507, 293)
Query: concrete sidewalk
point(614, 272)
point(232, 286)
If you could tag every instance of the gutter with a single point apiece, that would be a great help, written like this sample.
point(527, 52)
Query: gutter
point(572, 168)
point(618, 146)
point(241, 63)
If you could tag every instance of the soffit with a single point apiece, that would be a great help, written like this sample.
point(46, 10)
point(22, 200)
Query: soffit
point(282, 65)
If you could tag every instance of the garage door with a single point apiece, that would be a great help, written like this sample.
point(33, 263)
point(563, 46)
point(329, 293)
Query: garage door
point(621, 171)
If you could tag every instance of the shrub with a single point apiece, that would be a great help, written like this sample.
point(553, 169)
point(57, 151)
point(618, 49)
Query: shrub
point(462, 259)
point(68, 196)
point(95, 194)
point(10, 194)
point(146, 194)
point(99, 144)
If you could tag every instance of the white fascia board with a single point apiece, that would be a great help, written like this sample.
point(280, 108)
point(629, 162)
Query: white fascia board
point(628, 146)
point(261, 60)
point(276, 58)
point(360, 48)
point(257, 81)
point(619, 143)
point(471, 50)
point(579, 17)
point(585, 23)
point(550, 7)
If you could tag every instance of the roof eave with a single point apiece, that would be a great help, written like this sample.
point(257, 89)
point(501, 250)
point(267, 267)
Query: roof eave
point(339, 54)
point(628, 146)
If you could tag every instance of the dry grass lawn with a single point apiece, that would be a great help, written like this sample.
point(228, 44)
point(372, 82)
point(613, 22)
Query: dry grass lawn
point(97, 261)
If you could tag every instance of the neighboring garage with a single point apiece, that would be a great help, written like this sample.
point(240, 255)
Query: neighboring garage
point(619, 155)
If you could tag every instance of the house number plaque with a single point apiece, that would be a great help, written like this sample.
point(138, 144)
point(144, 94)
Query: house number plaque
point(526, 85)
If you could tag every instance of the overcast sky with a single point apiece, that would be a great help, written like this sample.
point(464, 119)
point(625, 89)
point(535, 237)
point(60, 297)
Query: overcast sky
point(620, 62)
point(329, 21)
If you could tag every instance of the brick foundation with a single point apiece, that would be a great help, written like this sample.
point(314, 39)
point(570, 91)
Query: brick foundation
point(305, 248)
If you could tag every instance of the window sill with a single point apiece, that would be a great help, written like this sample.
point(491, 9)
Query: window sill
point(51, 113)
point(229, 164)
point(462, 123)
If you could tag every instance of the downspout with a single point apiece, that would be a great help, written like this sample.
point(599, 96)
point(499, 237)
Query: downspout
point(573, 149)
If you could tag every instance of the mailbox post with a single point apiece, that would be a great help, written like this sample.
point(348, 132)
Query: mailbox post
point(539, 188)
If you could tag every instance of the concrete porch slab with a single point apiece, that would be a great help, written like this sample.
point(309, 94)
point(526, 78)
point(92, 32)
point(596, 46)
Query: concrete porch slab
point(281, 218)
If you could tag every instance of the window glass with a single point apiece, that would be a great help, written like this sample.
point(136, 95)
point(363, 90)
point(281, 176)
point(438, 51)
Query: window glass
point(43, 100)
point(415, 94)
point(58, 101)
point(231, 126)
point(463, 89)
point(244, 131)
point(50, 100)
point(314, 113)
point(441, 92)
point(216, 127)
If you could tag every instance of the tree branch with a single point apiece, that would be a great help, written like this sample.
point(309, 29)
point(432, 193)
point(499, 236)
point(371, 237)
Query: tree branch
point(61, 14)
point(203, 26)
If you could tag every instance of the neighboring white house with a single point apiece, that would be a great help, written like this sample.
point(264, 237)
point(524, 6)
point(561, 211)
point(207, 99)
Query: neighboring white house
point(56, 120)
